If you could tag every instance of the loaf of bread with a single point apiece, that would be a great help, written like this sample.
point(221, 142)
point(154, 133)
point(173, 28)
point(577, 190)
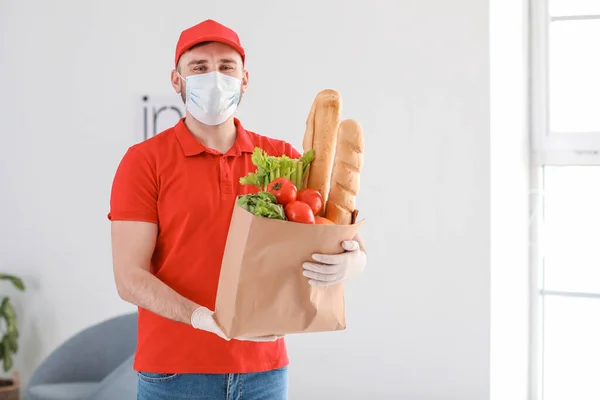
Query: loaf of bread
point(321, 135)
point(345, 178)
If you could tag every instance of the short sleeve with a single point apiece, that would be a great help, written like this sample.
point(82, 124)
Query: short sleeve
point(134, 193)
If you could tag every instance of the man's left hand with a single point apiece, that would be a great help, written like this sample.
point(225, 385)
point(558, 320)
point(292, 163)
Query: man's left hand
point(331, 269)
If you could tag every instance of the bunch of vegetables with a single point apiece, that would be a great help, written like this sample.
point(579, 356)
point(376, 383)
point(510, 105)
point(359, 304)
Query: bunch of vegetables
point(282, 193)
point(270, 168)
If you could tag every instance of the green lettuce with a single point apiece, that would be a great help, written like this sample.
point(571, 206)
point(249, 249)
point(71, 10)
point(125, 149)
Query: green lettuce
point(269, 168)
point(262, 204)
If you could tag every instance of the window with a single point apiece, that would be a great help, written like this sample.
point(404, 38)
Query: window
point(565, 112)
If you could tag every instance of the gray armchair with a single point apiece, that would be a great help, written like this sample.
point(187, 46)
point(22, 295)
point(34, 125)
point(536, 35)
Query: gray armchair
point(95, 364)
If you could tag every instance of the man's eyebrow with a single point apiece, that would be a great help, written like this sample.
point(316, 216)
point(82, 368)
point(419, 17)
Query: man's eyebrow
point(197, 62)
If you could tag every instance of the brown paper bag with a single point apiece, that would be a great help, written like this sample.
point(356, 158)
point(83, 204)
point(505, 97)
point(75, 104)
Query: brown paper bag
point(261, 287)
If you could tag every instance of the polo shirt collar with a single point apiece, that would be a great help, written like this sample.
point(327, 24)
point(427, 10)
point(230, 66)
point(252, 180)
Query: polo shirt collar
point(192, 146)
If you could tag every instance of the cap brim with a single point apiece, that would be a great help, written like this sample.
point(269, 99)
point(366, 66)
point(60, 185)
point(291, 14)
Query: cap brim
point(219, 39)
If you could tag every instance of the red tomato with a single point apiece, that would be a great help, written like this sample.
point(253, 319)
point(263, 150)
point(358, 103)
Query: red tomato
point(283, 189)
point(297, 211)
point(311, 197)
point(323, 221)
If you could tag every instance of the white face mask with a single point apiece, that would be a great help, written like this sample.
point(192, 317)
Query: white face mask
point(212, 98)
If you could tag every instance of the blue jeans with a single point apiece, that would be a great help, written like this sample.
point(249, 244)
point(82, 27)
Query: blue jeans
point(270, 385)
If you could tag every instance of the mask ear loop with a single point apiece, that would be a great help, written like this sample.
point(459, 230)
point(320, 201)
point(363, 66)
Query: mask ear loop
point(181, 84)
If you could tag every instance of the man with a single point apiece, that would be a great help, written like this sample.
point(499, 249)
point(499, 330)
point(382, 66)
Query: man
point(171, 204)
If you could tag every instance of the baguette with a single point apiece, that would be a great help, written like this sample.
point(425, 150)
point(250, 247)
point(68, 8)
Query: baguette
point(321, 135)
point(345, 179)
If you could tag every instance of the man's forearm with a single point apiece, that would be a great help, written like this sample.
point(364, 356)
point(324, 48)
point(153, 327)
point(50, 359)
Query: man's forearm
point(145, 290)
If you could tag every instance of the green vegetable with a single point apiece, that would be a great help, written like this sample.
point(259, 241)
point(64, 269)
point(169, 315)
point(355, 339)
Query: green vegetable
point(262, 204)
point(269, 168)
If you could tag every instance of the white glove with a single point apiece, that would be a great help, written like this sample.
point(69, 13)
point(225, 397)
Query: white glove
point(332, 269)
point(203, 319)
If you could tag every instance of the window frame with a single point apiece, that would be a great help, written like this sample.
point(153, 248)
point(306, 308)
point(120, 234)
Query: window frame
point(553, 148)
point(546, 149)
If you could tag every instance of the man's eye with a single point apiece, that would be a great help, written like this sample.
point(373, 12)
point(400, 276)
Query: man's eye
point(199, 68)
point(226, 67)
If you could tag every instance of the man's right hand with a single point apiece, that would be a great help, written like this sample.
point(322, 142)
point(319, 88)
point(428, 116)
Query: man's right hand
point(203, 318)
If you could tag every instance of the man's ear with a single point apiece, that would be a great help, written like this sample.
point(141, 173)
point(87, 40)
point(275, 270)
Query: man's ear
point(176, 81)
point(245, 82)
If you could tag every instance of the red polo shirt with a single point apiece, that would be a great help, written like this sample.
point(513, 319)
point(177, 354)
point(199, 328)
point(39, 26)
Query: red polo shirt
point(189, 191)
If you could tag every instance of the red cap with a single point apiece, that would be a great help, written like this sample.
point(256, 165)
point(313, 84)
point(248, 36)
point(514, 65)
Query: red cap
point(208, 31)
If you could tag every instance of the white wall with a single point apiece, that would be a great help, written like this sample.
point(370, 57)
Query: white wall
point(415, 74)
point(510, 194)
